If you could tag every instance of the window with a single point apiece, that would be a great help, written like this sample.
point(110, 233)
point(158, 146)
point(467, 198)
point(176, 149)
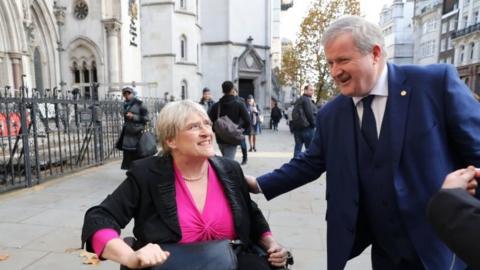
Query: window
point(183, 90)
point(432, 45)
point(86, 79)
point(449, 43)
point(443, 45)
point(444, 27)
point(465, 21)
point(76, 73)
point(462, 51)
point(475, 17)
point(183, 4)
point(452, 25)
point(183, 47)
point(428, 48)
point(472, 49)
point(83, 77)
point(431, 25)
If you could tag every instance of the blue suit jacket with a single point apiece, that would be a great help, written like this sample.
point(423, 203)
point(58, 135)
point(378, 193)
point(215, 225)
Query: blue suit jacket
point(435, 130)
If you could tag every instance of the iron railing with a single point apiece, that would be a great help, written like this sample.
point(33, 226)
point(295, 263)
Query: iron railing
point(44, 136)
point(465, 31)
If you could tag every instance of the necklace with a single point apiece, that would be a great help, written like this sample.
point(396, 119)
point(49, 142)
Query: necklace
point(193, 179)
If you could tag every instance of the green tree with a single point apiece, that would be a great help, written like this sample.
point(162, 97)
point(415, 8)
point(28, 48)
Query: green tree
point(313, 67)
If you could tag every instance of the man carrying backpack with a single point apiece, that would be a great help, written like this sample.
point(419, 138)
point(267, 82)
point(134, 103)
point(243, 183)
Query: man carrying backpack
point(303, 120)
point(230, 106)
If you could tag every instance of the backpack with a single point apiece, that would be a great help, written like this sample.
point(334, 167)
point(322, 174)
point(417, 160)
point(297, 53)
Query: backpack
point(227, 130)
point(299, 120)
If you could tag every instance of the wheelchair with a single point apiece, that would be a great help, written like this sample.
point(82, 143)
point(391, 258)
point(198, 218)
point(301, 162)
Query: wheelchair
point(260, 252)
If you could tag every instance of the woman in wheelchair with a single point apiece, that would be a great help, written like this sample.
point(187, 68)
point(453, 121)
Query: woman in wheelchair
point(185, 195)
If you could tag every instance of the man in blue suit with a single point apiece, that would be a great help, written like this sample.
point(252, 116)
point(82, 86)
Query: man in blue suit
point(386, 143)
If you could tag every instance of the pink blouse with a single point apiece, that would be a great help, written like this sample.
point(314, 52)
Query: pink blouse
point(216, 219)
point(214, 222)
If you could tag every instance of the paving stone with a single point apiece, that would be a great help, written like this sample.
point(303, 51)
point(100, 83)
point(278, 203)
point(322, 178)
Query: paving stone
point(19, 258)
point(57, 241)
point(16, 235)
point(14, 214)
point(58, 218)
point(68, 261)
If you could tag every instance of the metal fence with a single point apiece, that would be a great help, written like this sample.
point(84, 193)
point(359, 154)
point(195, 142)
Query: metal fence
point(43, 136)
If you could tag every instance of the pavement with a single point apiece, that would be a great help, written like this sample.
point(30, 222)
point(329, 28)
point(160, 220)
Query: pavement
point(40, 226)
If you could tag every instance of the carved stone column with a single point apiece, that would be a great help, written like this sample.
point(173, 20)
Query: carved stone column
point(113, 26)
point(59, 12)
point(2, 70)
point(16, 60)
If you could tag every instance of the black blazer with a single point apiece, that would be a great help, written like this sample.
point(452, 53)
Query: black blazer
point(455, 216)
point(148, 196)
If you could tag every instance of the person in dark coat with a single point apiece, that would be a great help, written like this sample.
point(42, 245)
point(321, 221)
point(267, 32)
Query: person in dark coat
point(243, 143)
point(207, 101)
point(231, 106)
point(303, 135)
point(275, 115)
point(167, 197)
point(455, 215)
point(254, 113)
point(135, 119)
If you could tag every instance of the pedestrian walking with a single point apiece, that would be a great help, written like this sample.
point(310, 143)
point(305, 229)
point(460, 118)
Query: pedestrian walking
point(243, 143)
point(275, 115)
point(254, 113)
point(206, 101)
point(135, 118)
point(303, 120)
point(232, 107)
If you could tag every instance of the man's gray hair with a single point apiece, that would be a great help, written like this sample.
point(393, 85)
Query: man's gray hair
point(365, 34)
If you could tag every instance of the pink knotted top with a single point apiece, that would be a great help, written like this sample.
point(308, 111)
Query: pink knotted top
point(216, 219)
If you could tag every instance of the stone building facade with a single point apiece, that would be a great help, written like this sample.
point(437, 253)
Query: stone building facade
point(62, 45)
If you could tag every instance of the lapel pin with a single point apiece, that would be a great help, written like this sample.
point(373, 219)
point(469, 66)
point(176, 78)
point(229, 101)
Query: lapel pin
point(403, 93)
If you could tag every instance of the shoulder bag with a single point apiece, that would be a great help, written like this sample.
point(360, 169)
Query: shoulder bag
point(147, 145)
point(227, 130)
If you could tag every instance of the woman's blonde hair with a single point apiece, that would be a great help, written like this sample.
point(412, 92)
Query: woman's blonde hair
point(172, 119)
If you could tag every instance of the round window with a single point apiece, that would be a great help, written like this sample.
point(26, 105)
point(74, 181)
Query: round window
point(80, 10)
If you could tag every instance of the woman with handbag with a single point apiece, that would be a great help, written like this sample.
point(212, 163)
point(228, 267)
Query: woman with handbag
point(135, 119)
point(186, 195)
point(256, 119)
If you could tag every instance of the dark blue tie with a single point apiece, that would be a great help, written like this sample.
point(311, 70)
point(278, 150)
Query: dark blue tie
point(369, 126)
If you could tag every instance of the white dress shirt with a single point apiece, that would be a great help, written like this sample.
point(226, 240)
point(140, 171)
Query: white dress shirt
point(380, 91)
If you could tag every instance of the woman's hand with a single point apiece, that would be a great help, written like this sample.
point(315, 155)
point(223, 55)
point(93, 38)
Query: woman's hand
point(252, 184)
point(148, 256)
point(464, 179)
point(277, 255)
